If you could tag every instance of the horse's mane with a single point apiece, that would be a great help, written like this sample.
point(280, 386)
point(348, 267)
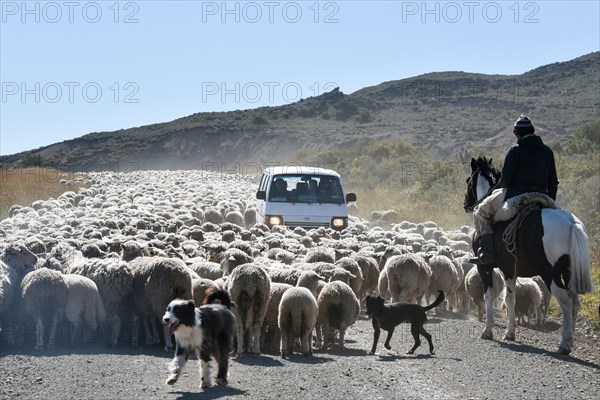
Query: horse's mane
point(486, 167)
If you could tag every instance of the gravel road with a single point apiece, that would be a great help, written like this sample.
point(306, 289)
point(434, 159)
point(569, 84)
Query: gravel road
point(464, 367)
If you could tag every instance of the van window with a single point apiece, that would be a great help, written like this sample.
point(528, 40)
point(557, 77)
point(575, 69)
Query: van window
point(263, 182)
point(306, 189)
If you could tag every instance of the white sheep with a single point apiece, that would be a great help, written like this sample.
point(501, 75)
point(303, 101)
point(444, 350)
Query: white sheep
point(270, 332)
point(156, 282)
point(83, 300)
point(131, 250)
point(351, 265)
point(250, 217)
point(63, 256)
point(235, 217)
point(339, 275)
point(370, 273)
point(383, 285)
point(206, 269)
point(282, 255)
point(528, 301)
point(408, 277)
point(546, 296)
point(474, 286)
point(310, 280)
point(43, 298)
point(444, 277)
point(114, 280)
point(250, 288)
point(320, 254)
point(297, 319)
point(15, 261)
point(200, 288)
point(232, 258)
point(284, 275)
point(338, 310)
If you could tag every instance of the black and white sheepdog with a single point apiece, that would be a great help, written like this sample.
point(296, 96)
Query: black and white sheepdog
point(208, 329)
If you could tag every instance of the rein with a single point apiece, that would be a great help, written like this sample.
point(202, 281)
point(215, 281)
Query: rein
point(474, 191)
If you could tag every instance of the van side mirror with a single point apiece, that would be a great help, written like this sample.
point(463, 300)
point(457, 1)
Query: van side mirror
point(350, 197)
point(261, 195)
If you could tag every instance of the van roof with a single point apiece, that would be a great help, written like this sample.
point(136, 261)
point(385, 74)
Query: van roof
point(299, 170)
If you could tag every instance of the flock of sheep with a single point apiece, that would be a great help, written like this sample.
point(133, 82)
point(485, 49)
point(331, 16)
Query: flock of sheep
point(115, 254)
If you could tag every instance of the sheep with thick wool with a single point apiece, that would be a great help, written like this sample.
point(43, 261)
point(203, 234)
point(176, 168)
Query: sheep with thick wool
point(83, 302)
point(249, 287)
point(474, 286)
point(284, 275)
point(351, 265)
point(43, 298)
point(528, 301)
point(200, 289)
point(408, 277)
point(320, 254)
point(156, 282)
point(444, 277)
point(270, 332)
point(297, 319)
point(338, 308)
point(327, 270)
point(310, 280)
point(131, 250)
point(63, 256)
point(114, 280)
point(370, 273)
point(234, 257)
point(546, 296)
point(206, 269)
point(15, 261)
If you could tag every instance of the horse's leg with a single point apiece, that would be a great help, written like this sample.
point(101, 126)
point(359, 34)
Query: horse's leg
point(509, 300)
point(567, 305)
point(486, 275)
point(576, 306)
point(488, 331)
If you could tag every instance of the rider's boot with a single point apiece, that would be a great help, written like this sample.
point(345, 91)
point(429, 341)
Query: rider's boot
point(485, 255)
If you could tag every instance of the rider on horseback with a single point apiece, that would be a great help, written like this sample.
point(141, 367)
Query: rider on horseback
point(528, 167)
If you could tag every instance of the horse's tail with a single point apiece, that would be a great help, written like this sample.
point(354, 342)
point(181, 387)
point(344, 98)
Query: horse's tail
point(581, 281)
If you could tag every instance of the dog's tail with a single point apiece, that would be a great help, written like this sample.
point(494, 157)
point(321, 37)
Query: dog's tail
point(218, 296)
point(440, 299)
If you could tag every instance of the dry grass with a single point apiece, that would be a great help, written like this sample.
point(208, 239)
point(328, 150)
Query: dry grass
point(446, 211)
point(25, 185)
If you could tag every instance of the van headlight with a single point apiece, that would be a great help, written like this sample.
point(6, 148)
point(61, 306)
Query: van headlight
point(273, 220)
point(338, 223)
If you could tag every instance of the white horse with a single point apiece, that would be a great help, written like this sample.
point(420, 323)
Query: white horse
point(551, 243)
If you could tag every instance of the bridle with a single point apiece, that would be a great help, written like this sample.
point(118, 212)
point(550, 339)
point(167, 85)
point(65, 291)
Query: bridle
point(494, 184)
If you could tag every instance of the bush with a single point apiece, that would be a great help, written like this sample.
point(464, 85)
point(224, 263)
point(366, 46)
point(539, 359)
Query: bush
point(585, 140)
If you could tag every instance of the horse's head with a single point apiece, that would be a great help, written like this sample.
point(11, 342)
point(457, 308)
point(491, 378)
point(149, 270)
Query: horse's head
point(484, 177)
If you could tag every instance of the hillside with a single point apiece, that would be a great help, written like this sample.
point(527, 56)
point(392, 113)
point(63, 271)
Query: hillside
point(443, 113)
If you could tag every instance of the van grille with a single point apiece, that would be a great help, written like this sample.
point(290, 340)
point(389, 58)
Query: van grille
point(307, 225)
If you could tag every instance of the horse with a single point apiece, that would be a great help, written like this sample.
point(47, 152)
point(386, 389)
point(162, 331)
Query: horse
point(549, 242)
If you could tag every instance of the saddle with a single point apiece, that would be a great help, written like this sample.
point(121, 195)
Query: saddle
point(511, 207)
point(517, 208)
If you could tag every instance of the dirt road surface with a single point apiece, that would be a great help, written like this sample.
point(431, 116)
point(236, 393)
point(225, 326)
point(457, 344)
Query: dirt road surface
point(463, 367)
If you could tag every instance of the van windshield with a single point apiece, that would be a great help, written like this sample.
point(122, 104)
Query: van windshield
point(306, 189)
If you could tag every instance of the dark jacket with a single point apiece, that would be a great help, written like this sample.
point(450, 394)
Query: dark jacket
point(529, 167)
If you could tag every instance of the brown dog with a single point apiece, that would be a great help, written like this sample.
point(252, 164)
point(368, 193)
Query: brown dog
point(388, 316)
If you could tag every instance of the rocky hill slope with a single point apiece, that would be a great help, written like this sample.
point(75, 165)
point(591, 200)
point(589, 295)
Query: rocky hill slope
point(443, 113)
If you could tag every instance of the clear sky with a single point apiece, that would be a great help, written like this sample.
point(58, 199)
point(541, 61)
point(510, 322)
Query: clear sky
point(69, 68)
